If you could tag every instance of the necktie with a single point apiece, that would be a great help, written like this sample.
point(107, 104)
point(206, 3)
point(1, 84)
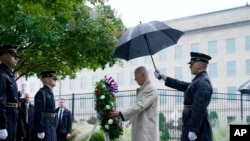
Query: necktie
point(60, 116)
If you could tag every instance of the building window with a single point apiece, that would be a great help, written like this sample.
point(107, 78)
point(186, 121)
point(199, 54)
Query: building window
point(132, 78)
point(84, 83)
point(72, 84)
point(120, 102)
point(83, 102)
point(231, 68)
point(195, 47)
point(132, 98)
point(120, 79)
point(231, 93)
point(231, 46)
point(178, 97)
point(247, 43)
point(163, 55)
point(212, 70)
point(134, 61)
point(215, 95)
point(178, 52)
point(178, 73)
point(163, 98)
point(248, 66)
point(63, 85)
point(94, 79)
point(212, 48)
point(70, 104)
point(148, 59)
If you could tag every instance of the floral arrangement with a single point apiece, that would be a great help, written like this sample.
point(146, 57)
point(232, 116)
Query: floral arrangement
point(105, 102)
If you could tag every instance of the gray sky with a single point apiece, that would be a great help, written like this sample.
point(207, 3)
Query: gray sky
point(133, 11)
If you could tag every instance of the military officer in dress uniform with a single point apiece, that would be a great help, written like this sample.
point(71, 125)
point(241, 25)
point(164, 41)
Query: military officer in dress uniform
point(8, 93)
point(197, 96)
point(45, 116)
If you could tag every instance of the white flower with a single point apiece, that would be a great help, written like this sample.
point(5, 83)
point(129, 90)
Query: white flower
point(112, 104)
point(107, 107)
point(106, 126)
point(102, 97)
point(103, 86)
point(110, 121)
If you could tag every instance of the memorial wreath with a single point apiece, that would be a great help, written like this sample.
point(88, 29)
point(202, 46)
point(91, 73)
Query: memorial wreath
point(105, 102)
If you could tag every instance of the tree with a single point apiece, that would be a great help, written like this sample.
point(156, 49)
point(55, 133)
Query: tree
point(63, 35)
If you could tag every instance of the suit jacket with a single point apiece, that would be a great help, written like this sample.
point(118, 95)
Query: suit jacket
point(30, 113)
point(65, 126)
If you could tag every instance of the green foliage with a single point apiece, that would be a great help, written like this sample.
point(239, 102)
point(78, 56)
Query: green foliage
point(164, 134)
point(220, 133)
point(63, 35)
point(213, 118)
point(97, 136)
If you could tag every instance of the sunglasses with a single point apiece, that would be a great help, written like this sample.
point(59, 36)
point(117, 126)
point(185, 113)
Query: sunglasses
point(53, 77)
point(13, 53)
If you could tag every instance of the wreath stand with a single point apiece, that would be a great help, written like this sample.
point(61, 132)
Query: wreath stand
point(106, 136)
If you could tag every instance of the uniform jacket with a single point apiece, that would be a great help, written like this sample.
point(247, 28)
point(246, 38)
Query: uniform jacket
point(144, 115)
point(44, 103)
point(65, 125)
point(198, 94)
point(8, 90)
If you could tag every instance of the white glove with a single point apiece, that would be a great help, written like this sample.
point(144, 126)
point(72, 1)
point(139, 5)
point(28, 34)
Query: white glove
point(157, 74)
point(3, 134)
point(192, 136)
point(41, 135)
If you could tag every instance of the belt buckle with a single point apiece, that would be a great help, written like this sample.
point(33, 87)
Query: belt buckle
point(14, 105)
point(53, 115)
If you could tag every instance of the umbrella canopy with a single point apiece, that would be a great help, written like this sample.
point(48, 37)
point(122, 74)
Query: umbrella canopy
point(146, 39)
point(245, 87)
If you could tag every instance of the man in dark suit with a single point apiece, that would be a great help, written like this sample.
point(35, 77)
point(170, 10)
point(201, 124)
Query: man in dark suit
point(28, 116)
point(64, 124)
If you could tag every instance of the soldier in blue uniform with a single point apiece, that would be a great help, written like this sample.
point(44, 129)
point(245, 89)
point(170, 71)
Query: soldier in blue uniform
point(197, 96)
point(8, 93)
point(45, 116)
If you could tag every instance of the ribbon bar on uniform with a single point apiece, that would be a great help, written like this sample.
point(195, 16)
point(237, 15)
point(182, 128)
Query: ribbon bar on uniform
point(11, 105)
point(50, 115)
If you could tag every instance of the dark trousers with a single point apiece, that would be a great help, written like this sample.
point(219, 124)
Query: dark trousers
point(61, 137)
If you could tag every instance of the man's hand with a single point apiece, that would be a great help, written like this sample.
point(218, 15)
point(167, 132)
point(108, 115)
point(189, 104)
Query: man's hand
point(3, 134)
point(192, 136)
point(68, 136)
point(41, 135)
point(157, 74)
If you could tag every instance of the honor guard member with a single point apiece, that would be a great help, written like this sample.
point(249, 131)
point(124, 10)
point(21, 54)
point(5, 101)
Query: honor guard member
point(197, 96)
point(8, 93)
point(45, 117)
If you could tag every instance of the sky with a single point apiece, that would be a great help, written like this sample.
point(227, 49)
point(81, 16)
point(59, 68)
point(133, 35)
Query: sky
point(134, 11)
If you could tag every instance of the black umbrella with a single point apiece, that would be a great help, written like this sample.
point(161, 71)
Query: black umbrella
point(146, 39)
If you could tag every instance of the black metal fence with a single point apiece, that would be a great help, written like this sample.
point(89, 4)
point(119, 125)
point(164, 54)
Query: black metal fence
point(224, 108)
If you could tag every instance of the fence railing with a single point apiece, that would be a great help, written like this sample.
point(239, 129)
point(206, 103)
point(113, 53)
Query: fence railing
point(224, 108)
